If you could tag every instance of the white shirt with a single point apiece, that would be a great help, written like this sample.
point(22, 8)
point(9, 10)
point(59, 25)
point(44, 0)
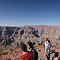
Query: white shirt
point(46, 45)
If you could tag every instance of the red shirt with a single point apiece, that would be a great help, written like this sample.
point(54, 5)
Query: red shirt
point(26, 56)
point(55, 58)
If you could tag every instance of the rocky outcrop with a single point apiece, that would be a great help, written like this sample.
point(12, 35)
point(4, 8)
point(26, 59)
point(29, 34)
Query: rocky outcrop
point(11, 37)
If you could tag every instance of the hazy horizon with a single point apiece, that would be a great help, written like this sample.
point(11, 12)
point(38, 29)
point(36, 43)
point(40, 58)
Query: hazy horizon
point(27, 25)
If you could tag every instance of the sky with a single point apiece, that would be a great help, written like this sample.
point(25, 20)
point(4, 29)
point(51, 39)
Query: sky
point(29, 12)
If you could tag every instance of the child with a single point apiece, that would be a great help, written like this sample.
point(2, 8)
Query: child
point(25, 54)
point(56, 56)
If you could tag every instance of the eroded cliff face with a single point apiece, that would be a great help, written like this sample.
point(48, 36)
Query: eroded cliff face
point(11, 37)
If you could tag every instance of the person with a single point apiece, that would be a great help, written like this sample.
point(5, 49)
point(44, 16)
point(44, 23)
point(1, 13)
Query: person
point(47, 48)
point(55, 56)
point(31, 49)
point(34, 53)
point(46, 44)
point(25, 54)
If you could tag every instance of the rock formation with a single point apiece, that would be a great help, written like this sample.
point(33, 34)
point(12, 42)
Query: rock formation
point(11, 37)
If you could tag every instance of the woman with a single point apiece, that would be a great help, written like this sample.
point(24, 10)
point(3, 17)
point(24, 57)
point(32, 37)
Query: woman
point(25, 54)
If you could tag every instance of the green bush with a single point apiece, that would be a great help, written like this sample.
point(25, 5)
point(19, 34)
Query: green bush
point(3, 53)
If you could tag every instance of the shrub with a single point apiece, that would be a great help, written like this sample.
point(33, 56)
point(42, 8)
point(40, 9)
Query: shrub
point(3, 53)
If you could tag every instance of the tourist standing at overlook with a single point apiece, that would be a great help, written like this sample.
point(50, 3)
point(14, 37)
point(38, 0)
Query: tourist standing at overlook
point(25, 54)
point(34, 53)
point(47, 48)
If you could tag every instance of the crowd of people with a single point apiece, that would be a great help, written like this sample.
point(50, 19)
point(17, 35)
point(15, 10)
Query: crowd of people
point(48, 51)
point(29, 53)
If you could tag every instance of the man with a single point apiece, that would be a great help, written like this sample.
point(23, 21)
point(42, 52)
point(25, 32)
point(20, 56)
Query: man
point(46, 44)
point(31, 49)
point(25, 54)
point(47, 48)
point(34, 53)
